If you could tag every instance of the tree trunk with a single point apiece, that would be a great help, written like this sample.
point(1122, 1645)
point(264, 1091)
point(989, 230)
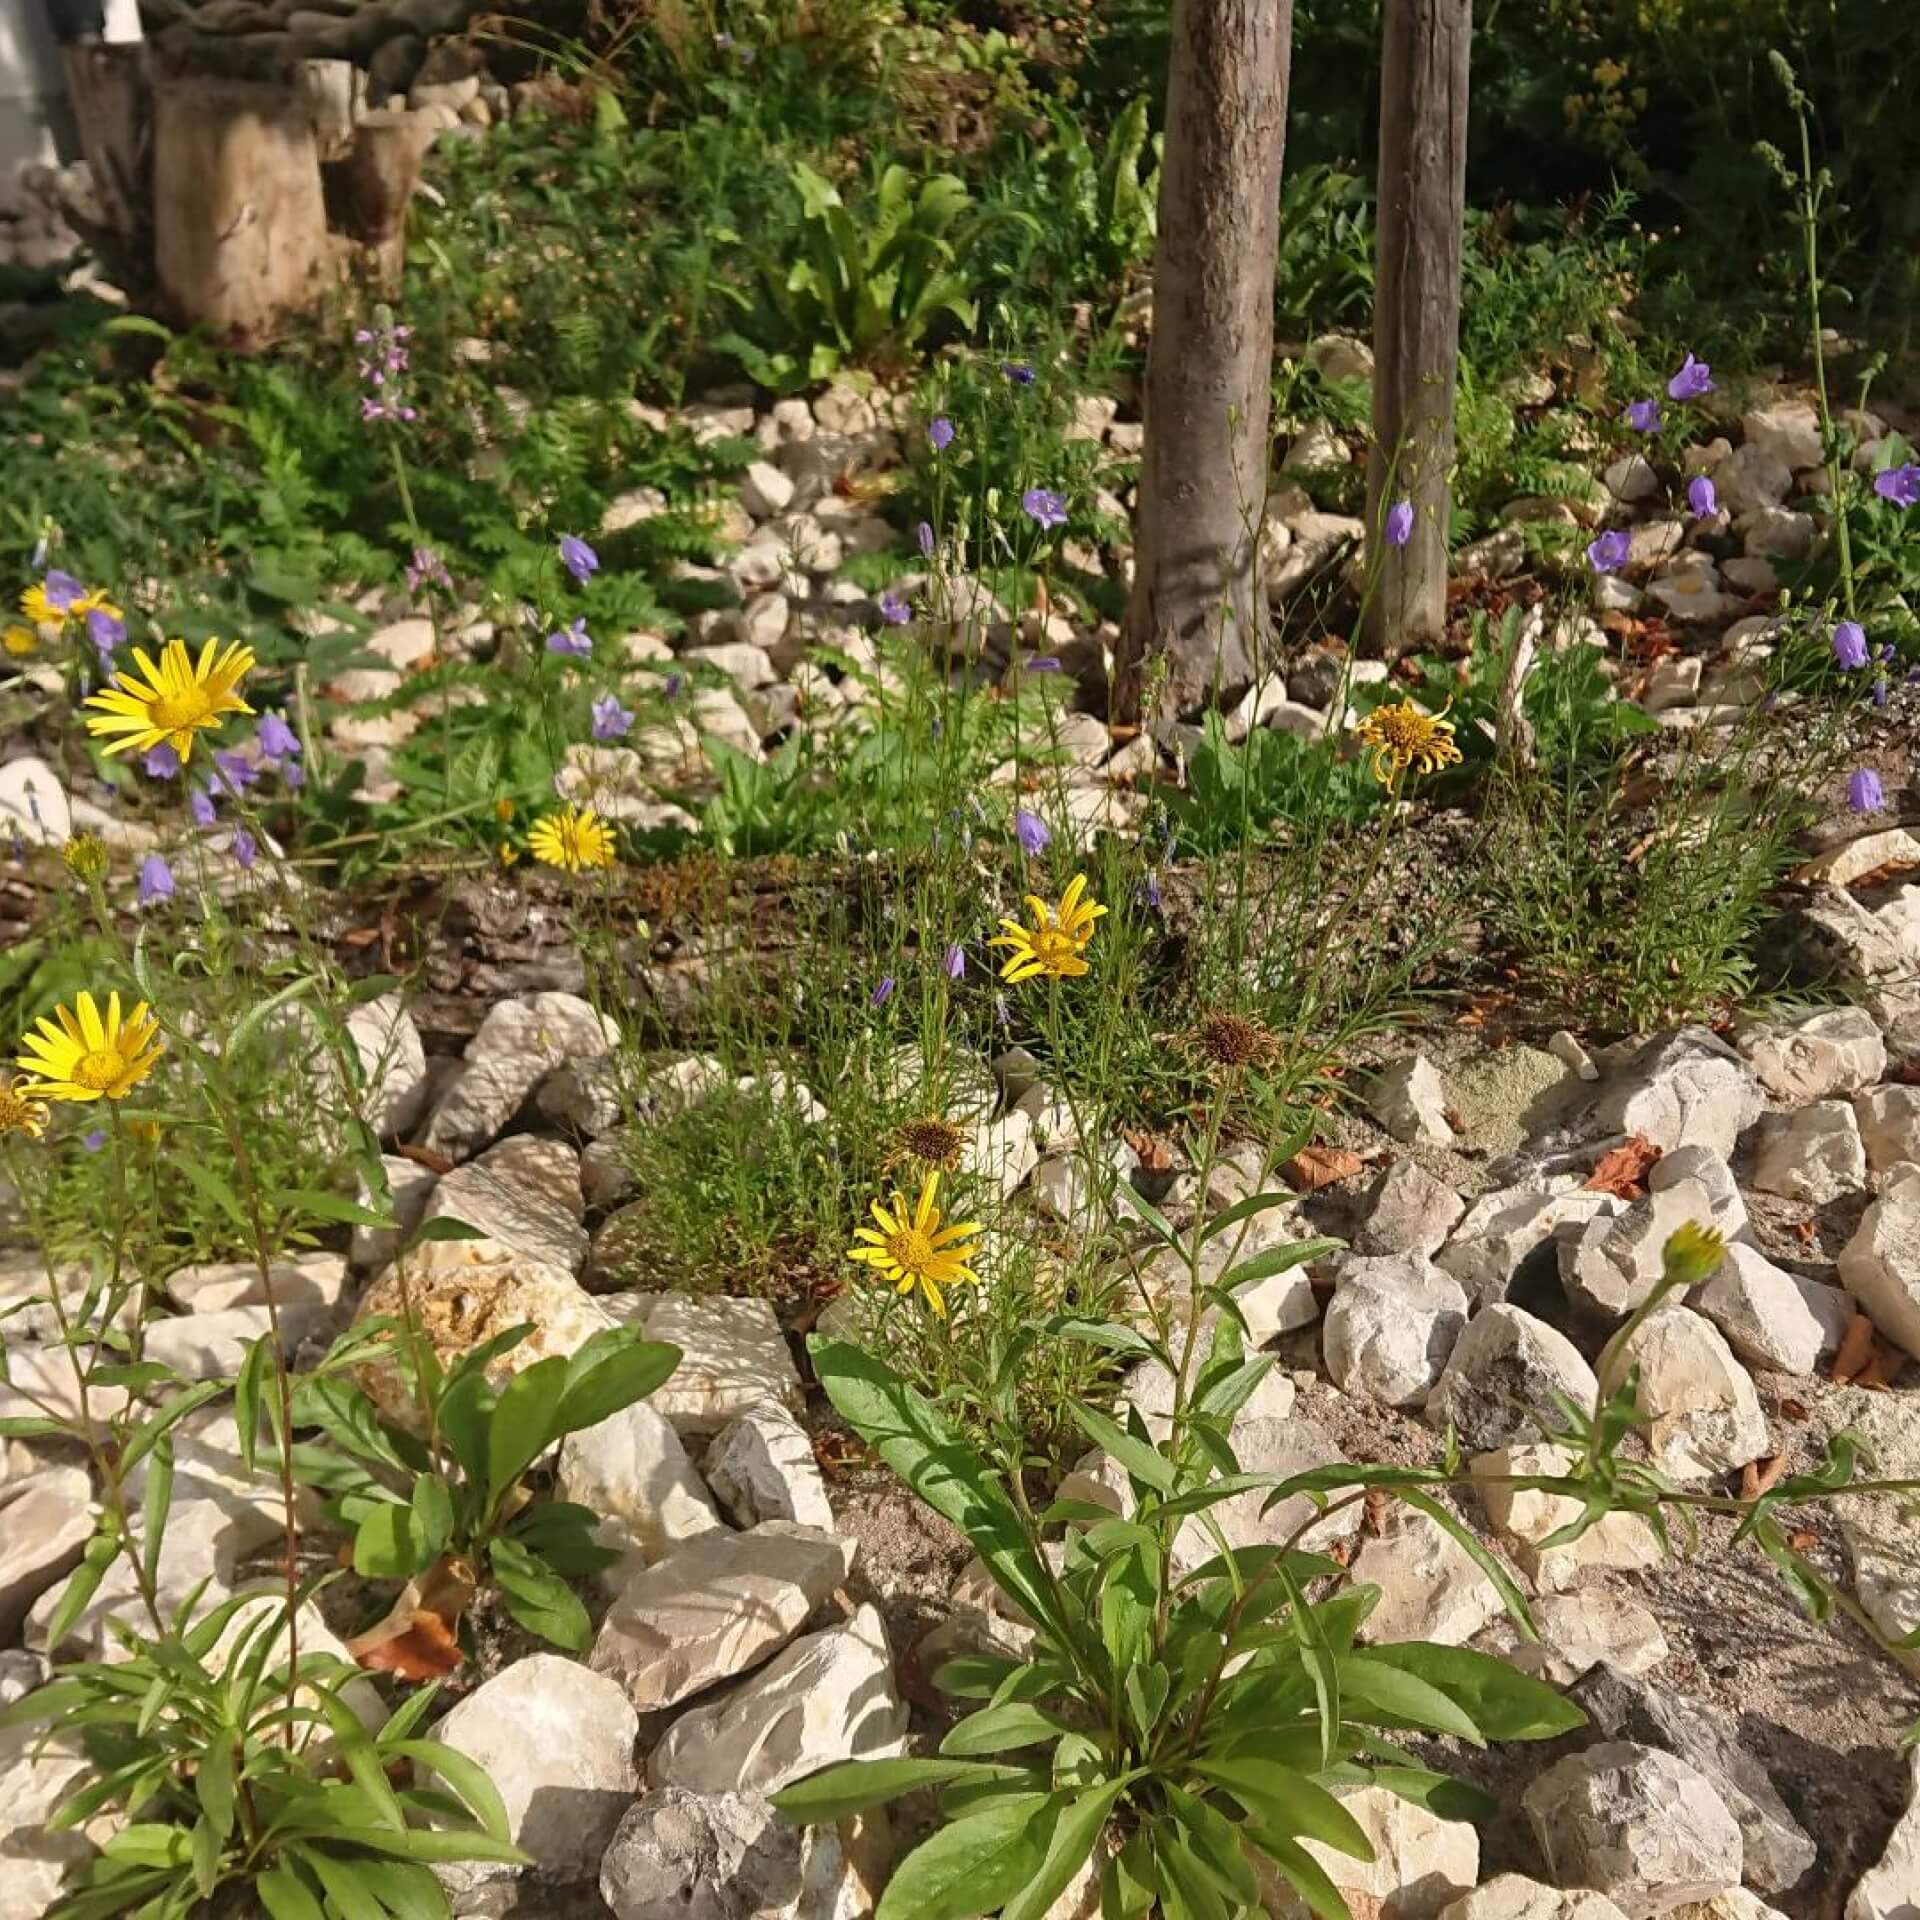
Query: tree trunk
point(1197, 602)
point(240, 224)
point(1416, 312)
point(111, 97)
point(371, 187)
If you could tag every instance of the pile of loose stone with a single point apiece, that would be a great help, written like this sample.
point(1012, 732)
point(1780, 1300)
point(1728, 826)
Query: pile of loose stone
point(33, 216)
point(741, 1645)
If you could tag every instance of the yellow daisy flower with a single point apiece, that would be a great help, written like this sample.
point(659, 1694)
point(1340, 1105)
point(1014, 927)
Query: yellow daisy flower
point(912, 1249)
point(94, 600)
point(1401, 736)
point(84, 1057)
point(19, 1113)
point(39, 609)
point(1054, 943)
point(572, 839)
point(172, 701)
point(19, 641)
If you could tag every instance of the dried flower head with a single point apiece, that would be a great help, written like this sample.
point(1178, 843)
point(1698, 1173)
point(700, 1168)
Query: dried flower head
point(19, 1113)
point(1234, 1040)
point(930, 1140)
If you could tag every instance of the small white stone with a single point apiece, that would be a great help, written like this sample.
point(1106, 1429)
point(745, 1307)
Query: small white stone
point(1813, 1154)
point(1580, 1628)
point(734, 1356)
point(1410, 1101)
point(632, 1470)
point(761, 1467)
point(1773, 1318)
point(1526, 1516)
point(1880, 1265)
point(1390, 1327)
point(1505, 1376)
point(1706, 1417)
point(1835, 1051)
point(1889, 1125)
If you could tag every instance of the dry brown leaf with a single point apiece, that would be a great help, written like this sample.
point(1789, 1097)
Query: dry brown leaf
point(1315, 1167)
point(1883, 1369)
point(424, 1157)
point(1856, 1349)
point(419, 1637)
point(1761, 1476)
point(1376, 1503)
point(1156, 1151)
point(1794, 1410)
point(1622, 1171)
point(1803, 1541)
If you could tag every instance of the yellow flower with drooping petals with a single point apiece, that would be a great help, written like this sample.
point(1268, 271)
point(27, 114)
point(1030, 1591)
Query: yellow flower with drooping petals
point(1053, 945)
point(78, 1055)
point(571, 840)
point(910, 1248)
point(38, 607)
point(19, 1112)
point(1401, 736)
point(172, 700)
point(19, 641)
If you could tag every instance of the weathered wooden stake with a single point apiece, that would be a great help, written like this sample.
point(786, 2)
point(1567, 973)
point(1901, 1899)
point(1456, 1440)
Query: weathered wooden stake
point(1416, 315)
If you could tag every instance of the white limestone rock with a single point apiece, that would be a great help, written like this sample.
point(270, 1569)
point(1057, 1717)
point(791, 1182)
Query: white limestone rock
point(1431, 1588)
point(1615, 1261)
point(1687, 1088)
point(1880, 1265)
point(1502, 1228)
point(1890, 1890)
point(761, 1467)
point(1409, 1099)
point(1771, 1317)
point(1408, 1211)
point(524, 1193)
point(33, 803)
point(1390, 1327)
point(1639, 1825)
point(1578, 1629)
point(1838, 1050)
point(46, 1519)
point(1420, 1862)
point(632, 1470)
point(1501, 1381)
point(1710, 1171)
point(1511, 1896)
point(1889, 1125)
point(733, 1357)
point(1813, 1154)
point(1705, 1415)
point(1525, 1517)
point(557, 1742)
point(689, 1856)
point(716, 1609)
point(828, 1697)
point(518, 1044)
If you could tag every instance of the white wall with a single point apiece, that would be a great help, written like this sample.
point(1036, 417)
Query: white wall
point(32, 88)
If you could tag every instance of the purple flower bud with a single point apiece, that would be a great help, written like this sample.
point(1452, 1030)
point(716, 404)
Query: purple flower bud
point(1148, 891)
point(1044, 663)
point(1000, 1012)
point(291, 774)
point(1702, 497)
point(278, 741)
point(1400, 523)
point(246, 849)
point(940, 432)
point(578, 558)
point(106, 631)
point(1864, 792)
point(955, 962)
point(236, 771)
point(1694, 381)
point(1044, 507)
point(894, 609)
point(670, 687)
point(1850, 645)
point(924, 534)
point(610, 718)
point(882, 993)
point(1901, 485)
point(1030, 830)
point(200, 801)
point(94, 1139)
point(1643, 416)
point(1018, 372)
point(162, 762)
point(1609, 553)
point(572, 640)
point(1881, 692)
point(156, 880)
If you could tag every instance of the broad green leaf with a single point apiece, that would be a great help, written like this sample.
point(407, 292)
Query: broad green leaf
point(523, 1424)
point(85, 1583)
point(1263, 1266)
point(1439, 1793)
point(466, 1777)
point(388, 1545)
point(445, 1227)
point(328, 1206)
point(537, 1597)
point(974, 1866)
point(432, 1507)
point(1230, 1217)
point(974, 1676)
point(1074, 1838)
point(1303, 1873)
point(1136, 1203)
point(1477, 1551)
point(1288, 1802)
point(1216, 1844)
point(916, 1441)
point(407, 1889)
point(345, 1890)
point(1377, 1691)
point(1501, 1702)
point(623, 1376)
point(155, 1505)
point(1016, 1723)
point(213, 1785)
point(854, 1785)
point(285, 1895)
point(1140, 1458)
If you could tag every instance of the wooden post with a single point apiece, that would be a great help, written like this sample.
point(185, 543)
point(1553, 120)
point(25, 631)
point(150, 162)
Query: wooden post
point(370, 188)
point(111, 98)
point(1416, 314)
point(240, 223)
point(1203, 476)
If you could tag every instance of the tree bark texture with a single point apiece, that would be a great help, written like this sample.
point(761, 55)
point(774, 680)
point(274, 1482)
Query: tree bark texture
point(111, 98)
point(1416, 314)
point(371, 187)
point(240, 224)
point(1197, 603)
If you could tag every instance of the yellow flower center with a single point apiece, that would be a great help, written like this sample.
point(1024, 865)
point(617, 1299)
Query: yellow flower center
point(98, 1070)
point(177, 712)
point(912, 1251)
point(1054, 945)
